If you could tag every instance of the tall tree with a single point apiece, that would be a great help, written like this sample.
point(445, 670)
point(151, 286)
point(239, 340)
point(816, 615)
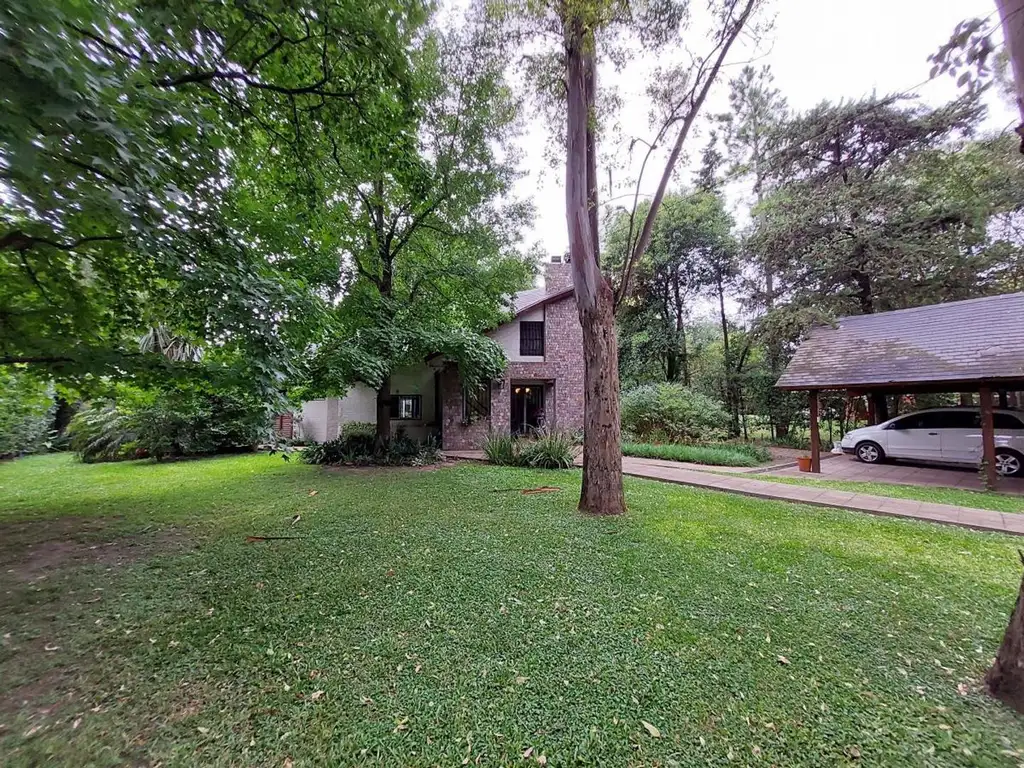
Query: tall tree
point(588, 30)
point(756, 108)
point(691, 254)
point(854, 223)
point(429, 223)
point(131, 196)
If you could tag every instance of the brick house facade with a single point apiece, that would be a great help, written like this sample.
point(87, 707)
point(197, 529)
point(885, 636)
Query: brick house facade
point(542, 386)
point(558, 372)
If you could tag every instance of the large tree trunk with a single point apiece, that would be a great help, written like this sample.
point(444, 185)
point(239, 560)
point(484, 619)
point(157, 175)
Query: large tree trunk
point(731, 400)
point(602, 456)
point(1005, 680)
point(383, 434)
point(1011, 13)
point(602, 453)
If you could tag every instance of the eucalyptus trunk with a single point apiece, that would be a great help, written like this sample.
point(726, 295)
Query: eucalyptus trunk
point(602, 454)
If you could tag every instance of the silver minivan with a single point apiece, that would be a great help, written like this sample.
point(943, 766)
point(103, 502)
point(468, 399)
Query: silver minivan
point(941, 435)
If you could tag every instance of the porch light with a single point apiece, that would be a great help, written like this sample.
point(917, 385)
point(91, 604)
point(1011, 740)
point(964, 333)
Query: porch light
point(527, 390)
point(518, 390)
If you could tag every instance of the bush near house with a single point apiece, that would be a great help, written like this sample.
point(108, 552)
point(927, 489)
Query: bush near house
point(357, 446)
point(26, 414)
point(669, 412)
point(548, 450)
point(168, 424)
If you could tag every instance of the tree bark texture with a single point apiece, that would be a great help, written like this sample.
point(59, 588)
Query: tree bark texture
point(602, 452)
point(1005, 679)
point(1011, 13)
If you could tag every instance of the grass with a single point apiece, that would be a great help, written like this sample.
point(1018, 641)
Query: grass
point(719, 456)
point(955, 496)
point(439, 617)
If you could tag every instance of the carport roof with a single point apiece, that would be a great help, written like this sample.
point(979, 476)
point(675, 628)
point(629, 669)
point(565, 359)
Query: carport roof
point(974, 342)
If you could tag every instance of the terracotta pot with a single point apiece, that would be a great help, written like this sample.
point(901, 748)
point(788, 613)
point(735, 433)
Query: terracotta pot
point(804, 463)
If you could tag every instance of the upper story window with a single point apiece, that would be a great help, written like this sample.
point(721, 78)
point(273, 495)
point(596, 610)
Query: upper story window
point(531, 338)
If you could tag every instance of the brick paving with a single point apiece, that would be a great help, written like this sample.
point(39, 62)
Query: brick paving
point(748, 485)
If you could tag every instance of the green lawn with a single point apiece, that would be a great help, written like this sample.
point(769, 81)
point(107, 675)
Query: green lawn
point(956, 496)
point(440, 618)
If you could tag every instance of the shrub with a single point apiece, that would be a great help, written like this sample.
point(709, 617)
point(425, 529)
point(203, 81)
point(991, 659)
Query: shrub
point(548, 450)
point(359, 449)
point(26, 414)
point(758, 453)
point(719, 456)
point(168, 424)
point(672, 413)
point(102, 432)
point(361, 428)
point(501, 449)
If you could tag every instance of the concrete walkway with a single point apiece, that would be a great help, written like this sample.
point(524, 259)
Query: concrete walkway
point(671, 472)
point(980, 519)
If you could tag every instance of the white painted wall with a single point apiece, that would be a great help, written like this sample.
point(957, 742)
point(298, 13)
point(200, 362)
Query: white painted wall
point(321, 420)
point(358, 404)
point(507, 336)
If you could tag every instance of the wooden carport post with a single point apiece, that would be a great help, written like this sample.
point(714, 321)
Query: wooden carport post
point(988, 437)
point(815, 437)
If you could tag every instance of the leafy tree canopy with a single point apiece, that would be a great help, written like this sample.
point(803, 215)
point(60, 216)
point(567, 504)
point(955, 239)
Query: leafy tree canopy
point(428, 224)
point(149, 155)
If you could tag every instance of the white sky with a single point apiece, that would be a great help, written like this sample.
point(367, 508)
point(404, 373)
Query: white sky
point(817, 49)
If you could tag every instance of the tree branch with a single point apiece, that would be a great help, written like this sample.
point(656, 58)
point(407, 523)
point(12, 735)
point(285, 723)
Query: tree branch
point(729, 35)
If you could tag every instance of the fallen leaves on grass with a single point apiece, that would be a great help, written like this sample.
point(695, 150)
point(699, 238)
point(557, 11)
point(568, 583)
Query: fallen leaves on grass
point(783, 660)
point(651, 729)
point(316, 695)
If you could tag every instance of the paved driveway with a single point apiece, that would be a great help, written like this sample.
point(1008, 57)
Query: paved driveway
point(848, 468)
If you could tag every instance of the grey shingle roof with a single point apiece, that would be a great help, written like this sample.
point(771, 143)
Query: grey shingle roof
point(973, 340)
point(528, 299)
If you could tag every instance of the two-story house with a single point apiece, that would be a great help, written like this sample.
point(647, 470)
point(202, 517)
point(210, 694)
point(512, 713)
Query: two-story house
point(541, 386)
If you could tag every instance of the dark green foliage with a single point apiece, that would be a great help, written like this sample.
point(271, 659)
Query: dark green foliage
point(357, 429)
point(725, 455)
point(500, 448)
point(673, 413)
point(26, 413)
point(157, 163)
point(168, 424)
point(360, 448)
point(548, 449)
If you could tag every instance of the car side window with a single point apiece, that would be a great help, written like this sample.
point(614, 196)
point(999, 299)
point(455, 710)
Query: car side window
point(961, 420)
point(1006, 421)
point(908, 422)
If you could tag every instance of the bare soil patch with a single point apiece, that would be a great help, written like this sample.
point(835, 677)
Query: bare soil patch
point(31, 550)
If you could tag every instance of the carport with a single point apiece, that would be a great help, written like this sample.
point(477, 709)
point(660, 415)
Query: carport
point(973, 346)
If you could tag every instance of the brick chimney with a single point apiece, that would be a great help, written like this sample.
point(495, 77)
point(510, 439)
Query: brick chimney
point(557, 274)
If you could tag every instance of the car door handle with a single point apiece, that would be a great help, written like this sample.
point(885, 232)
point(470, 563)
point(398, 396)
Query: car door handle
point(933, 434)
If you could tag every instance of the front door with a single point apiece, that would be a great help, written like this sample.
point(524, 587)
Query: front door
point(527, 408)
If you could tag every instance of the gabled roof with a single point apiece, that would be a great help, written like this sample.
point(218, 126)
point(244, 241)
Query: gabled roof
point(963, 341)
point(535, 297)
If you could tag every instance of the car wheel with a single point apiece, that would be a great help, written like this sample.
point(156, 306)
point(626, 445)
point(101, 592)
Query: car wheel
point(1009, 463)
point(869, 453)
